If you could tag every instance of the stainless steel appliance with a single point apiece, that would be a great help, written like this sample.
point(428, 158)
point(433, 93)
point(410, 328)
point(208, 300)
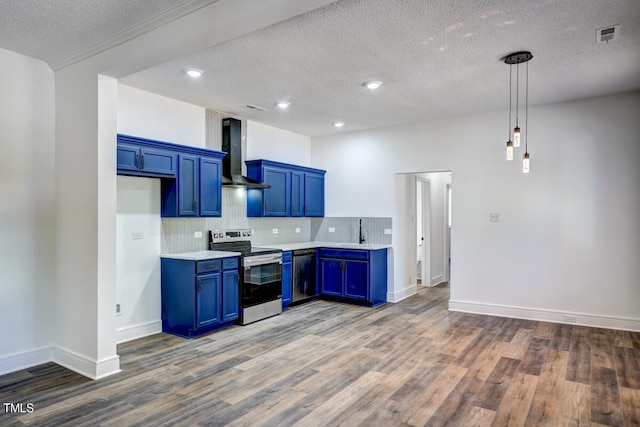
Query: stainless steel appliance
point(304, 275)
point(260, 274)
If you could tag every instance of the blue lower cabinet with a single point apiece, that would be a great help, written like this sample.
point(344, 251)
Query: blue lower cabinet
point(356, 276)
point(287, 279)
point(198, 296)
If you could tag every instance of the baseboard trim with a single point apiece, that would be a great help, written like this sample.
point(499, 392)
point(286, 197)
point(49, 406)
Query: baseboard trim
point(134, 332)
point(582, 319)
point(401, 294)
point(436, 280)
point(85, 366)
point(26, 359)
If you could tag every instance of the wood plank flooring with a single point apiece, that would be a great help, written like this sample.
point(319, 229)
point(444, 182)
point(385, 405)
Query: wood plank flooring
point(330, 364)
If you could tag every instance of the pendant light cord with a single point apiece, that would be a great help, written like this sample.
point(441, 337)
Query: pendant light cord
point(517, 91)
point(510, 100)
point(526, 111)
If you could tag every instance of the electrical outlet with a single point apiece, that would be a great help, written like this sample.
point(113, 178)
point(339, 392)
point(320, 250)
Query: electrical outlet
point(118, 310)
point(275, 231)
point(570, 319)
point(297, 230)
point(332, 229)
point(494, 216)
point(197, 234)
point(137, 235)
point(387, 231)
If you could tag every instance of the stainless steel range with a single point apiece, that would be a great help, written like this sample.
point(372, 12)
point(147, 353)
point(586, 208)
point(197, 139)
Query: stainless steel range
point(260, 274)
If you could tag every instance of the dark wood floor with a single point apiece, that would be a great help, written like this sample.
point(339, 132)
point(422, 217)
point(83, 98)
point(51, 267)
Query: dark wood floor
point(323, 363)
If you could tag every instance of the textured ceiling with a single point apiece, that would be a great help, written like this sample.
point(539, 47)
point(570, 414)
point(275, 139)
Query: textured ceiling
point(52, 30)
point(436, 58)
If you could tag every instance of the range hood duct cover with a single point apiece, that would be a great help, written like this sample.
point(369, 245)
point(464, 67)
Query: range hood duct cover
point(232, 162)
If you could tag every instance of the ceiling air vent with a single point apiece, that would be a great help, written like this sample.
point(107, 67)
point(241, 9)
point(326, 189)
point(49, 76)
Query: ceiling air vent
point(256, 107)
point(607, 34)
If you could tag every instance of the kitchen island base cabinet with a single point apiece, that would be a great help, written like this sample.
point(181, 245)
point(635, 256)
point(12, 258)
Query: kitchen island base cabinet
point(356, 276)
point(198, 296)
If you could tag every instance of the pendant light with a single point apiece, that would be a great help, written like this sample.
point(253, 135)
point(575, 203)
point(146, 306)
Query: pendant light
point(517, 58)
point(509, 141)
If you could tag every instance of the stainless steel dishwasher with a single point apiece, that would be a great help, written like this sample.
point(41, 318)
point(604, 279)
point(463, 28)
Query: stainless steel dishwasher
point(304, 275)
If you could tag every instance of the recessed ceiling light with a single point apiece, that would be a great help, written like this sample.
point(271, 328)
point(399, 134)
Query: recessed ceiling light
point(338, 124)
point(283, 105)
point(193, 72)
point(373, 84)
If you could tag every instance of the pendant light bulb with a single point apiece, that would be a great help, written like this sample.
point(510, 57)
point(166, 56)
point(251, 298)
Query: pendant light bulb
point(525, 163)
point(509, 150)
point(516, 137)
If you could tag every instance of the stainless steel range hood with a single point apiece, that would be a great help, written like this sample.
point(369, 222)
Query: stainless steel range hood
point(232, 162)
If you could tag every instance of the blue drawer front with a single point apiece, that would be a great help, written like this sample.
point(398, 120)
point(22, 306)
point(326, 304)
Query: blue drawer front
point(230, 263)
point(344, 254)
point(208, 266)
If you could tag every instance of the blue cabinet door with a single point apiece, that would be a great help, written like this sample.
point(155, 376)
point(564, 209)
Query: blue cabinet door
point(230, 295)
point(208, 293)
point(356, 279)
point(277, 198)
point(331, 277)
point(313, 194)
point(188, 184)
point(161, 162)
point(297, 193)
point(210, 189)
point(287, 278)
point(128, 157)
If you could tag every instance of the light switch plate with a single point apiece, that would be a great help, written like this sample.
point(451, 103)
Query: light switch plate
point(387, 231)
point(297, 230)
point(494, 216)
point(137, 235)
point(332, 229)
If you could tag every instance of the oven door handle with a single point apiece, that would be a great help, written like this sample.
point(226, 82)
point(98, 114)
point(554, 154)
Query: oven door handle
point(255, 260)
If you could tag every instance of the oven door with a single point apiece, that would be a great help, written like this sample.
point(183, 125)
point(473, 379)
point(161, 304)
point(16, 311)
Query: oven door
point(261, 282)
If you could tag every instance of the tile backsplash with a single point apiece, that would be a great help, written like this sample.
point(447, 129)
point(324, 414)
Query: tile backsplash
point(178, 234)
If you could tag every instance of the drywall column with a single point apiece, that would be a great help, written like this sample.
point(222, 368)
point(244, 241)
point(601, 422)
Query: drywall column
point(404, 237)
point(86, 111)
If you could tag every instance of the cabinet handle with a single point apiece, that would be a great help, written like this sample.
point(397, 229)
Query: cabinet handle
point(199, 285)
point(142, 160)
point(138, 161)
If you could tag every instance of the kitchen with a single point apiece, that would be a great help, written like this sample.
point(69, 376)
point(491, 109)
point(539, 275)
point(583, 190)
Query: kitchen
point(544, 260)
point(138, 259)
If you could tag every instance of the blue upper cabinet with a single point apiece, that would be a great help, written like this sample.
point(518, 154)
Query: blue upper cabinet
point(295, 190)
point(210, 187)
point(313, 194)
point(198, 189)
point(277, 199)
point(139, 159)
point(191, 176)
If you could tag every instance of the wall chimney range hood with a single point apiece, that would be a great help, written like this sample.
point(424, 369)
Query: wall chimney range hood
point(232, 163)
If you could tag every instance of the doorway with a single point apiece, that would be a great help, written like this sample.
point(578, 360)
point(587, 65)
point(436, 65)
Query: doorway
point(432, 228)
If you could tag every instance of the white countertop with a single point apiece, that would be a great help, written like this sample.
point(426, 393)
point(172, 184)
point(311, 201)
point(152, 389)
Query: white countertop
point(332, 245)
point(201, 255)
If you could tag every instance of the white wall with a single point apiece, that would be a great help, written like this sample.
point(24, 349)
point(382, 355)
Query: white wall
point(267, 142)
point(138, 260)
point(146, 114)
point(27, 212)
point(568, 240)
